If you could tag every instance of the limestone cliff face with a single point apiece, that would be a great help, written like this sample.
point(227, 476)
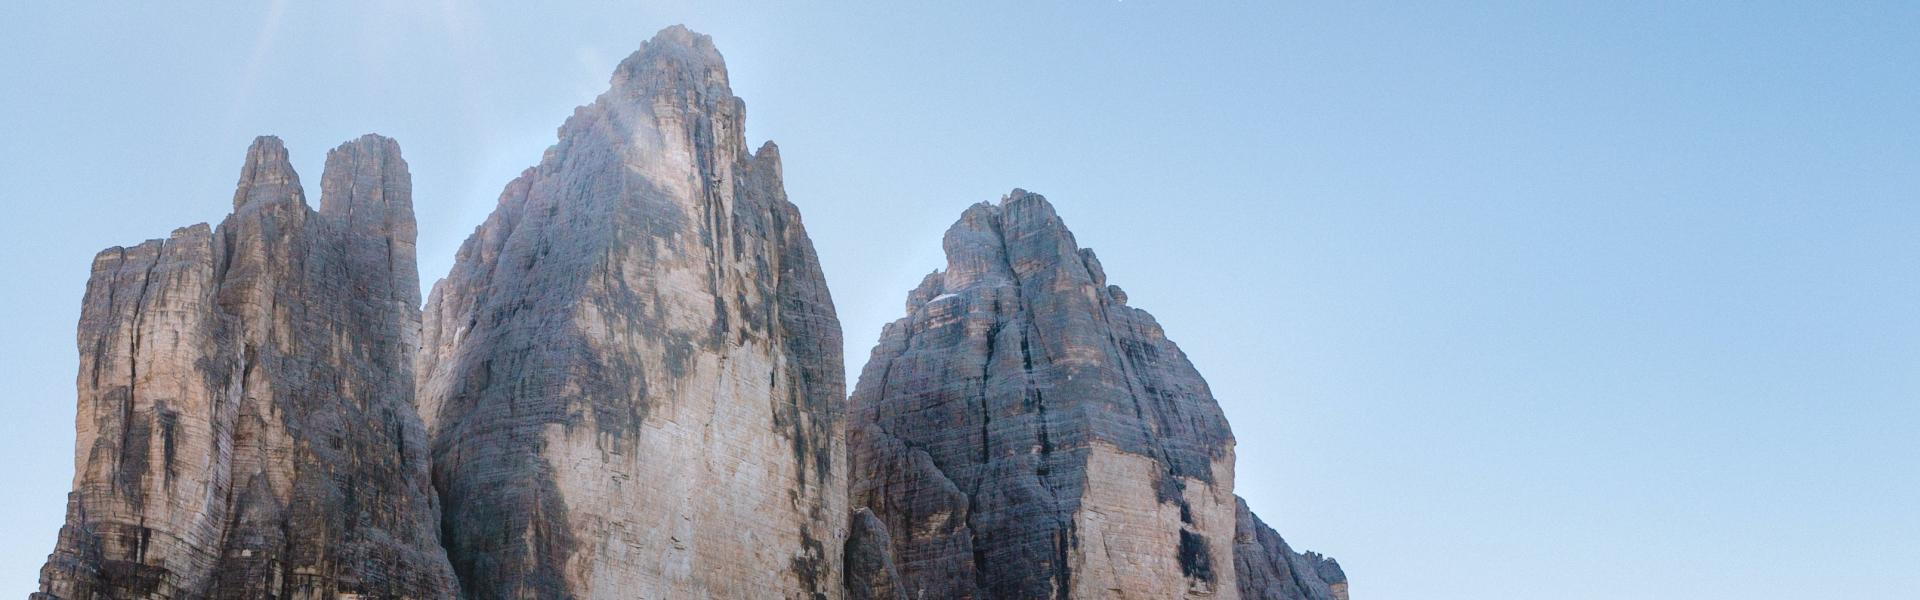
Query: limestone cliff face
point(1023, 433)
point(632, 377)
point(246, 420)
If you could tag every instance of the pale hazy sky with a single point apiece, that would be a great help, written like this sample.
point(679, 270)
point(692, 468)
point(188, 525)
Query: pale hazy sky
point(1594, 301)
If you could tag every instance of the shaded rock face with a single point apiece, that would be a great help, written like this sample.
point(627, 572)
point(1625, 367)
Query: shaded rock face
point(246, 420)
point(1023, 433)
point(632, 376)
point(1270, 570)
point(629, 386)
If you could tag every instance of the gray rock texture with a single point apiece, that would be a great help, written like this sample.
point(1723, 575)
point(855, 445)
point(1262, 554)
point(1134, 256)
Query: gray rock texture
point(869, 560)
point(632, 376)
point(1023, 433)
point(1270, 570)
point(246, 426)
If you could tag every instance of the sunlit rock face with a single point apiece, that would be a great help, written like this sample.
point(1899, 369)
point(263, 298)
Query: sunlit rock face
point(632, 376)
point(246, 425)
point(1023, 433)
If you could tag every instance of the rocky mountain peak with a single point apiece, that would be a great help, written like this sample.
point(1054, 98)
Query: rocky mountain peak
point(364, 175)
point(676, 62)
point(267, 175)
point(367, 188)
point(246, 417)
point(1023, 433)
point(633, 373)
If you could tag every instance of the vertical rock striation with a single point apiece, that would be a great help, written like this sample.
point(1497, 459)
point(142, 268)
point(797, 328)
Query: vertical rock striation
point(632, 376)
point(246, 420)
point(1023, 433)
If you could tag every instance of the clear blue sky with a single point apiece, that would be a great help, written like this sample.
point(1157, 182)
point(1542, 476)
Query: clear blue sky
point(1590, 301)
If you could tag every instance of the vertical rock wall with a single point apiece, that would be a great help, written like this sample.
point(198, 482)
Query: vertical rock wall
point(246, 420)
point(633, 375)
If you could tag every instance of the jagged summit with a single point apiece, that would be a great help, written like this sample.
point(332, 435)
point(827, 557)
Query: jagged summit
point(674, 50)
point(267, 174)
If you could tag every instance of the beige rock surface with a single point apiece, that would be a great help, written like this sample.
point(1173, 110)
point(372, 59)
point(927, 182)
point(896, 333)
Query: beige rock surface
point(633, 373)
